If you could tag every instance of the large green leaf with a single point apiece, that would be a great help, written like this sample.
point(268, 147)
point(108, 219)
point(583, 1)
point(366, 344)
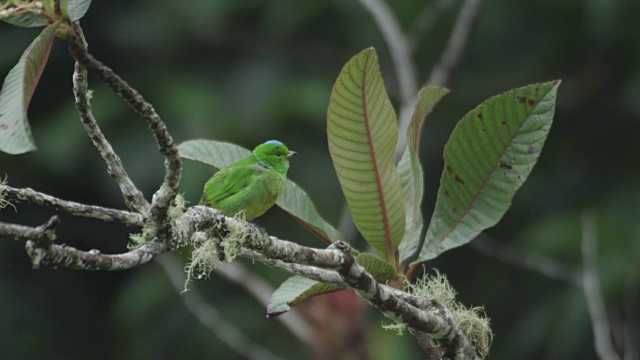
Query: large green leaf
point(362, 135)
point(294, 200)
point(297, 288)
point(16, 93)
point(410, 172)
point(489, 155)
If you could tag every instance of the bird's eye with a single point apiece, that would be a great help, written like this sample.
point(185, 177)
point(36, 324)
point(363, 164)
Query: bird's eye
point(278, 153)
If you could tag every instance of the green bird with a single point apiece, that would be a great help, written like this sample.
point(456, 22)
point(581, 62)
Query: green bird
point(250, 186)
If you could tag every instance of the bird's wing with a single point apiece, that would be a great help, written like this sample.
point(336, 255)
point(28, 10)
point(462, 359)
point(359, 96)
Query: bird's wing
point(229, 181)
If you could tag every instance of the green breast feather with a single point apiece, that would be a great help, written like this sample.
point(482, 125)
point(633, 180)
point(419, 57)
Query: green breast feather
point(251, 186)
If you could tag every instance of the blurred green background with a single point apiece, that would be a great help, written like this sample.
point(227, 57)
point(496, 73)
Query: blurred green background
point(250, 71)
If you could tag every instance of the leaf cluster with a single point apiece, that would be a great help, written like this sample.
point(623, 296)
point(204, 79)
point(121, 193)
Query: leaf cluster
point(490, 153)
point(20, 83)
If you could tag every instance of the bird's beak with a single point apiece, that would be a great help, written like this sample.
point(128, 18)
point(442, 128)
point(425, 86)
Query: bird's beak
point(291, 154)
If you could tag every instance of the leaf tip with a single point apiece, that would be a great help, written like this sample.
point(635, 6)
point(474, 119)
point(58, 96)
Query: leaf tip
point(273, 314)
point(370, 51)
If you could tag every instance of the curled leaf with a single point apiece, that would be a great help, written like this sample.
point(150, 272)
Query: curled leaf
point(411, 175)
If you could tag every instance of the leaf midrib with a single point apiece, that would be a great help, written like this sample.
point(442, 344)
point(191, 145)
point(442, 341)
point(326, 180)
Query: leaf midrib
point(385, 218)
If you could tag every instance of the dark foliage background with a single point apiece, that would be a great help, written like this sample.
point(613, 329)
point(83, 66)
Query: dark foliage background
point(249, 71)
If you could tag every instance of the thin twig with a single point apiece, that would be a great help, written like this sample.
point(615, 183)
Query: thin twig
point(235, 272)
point(533, 262)
point(261, 291)
point(17, 232)
point(310, 272)
point(20, 232)
point(166, 146)
point(427, 19)
point(631, 311)
point(210, 317)
point(73, 208)
point(401, 50)
point(133, 198)
point(457, 42)
point(398, 47)
point(402, 55)
point(71, 258)
point(346, 226)
point(593, 291)
point(631, 304)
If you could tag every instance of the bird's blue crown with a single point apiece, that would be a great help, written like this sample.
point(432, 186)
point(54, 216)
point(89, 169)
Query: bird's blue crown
point(273, 142)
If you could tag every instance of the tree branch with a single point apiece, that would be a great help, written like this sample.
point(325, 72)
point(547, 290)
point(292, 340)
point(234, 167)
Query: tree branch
point(593, 291)
point(173, 164)
point(533, 262)
point(310, 272)
point(439, 324)
point(457, 42)
point(262, 291)
point(42, 250)
point(330, 277)
point(133, 198)
point(18, 232)
point(73, 208)
point(69, 257)
point(399, 48)
point(402, 55)
point(200, 224)
point(426, 19)
point(631, 314)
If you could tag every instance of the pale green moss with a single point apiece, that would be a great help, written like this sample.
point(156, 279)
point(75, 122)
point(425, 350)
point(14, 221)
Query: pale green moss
point(175, 211)
point(139, 239)
point(209, 249)
point(473, 322)
point(3, 196)
point(177, 208)
point(399, 328)
point(202, 259)
point(231, 243)
point(476, 325)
